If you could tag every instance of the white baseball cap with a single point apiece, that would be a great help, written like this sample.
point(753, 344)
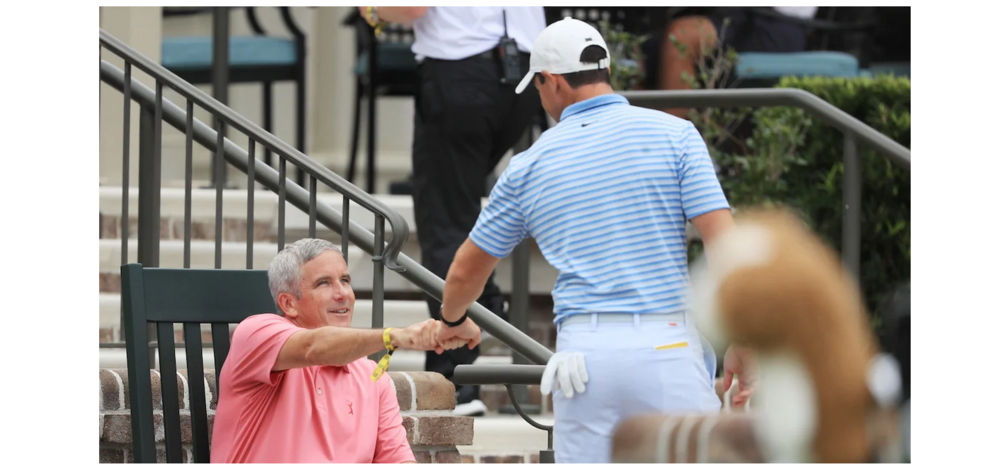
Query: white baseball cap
point(557, 50)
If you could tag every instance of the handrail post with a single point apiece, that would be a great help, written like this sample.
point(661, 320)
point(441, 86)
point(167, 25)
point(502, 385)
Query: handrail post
point(220, 79)
point(851, 237)
point(378, 279)
point(148, 234)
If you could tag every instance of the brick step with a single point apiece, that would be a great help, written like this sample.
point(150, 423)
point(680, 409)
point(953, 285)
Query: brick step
point(542, 275)
point(234, 208)
point(234, 229)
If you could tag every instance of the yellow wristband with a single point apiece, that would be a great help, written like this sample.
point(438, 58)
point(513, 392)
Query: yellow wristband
point(387, 341)
point(371, 17)
point(383, 364)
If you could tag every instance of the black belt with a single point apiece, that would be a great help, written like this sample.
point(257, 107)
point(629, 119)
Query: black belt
point(488, 54)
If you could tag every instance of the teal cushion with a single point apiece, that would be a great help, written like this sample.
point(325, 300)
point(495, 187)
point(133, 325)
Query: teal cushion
point(196, 52)
point(812, 63)
point(391, 57)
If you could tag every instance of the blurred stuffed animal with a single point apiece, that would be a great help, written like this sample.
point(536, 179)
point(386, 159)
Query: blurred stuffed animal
point(771, 284)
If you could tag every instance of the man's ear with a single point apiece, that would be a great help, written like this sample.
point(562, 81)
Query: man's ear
point(549, 78)
point(287, 303)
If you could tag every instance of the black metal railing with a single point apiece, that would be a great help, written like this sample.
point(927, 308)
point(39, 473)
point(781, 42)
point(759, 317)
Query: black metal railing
point(155, 110)
point(855, 132)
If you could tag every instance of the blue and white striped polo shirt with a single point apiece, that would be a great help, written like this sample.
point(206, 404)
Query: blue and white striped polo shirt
point(606, 194)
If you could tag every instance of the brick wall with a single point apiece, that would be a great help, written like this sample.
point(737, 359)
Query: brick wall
point(425, 402)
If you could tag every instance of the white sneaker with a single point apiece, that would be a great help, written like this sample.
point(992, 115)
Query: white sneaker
point(473, 408)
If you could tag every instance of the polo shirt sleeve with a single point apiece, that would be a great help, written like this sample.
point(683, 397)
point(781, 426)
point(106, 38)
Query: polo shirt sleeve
point(391, 445)
point(700, 188)
point(501, 225)
point(254, 350)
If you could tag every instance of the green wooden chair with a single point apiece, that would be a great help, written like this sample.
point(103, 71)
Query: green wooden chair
point(192, 297)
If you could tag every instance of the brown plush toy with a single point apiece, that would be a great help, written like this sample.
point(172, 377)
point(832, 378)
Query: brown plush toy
point(771, 284)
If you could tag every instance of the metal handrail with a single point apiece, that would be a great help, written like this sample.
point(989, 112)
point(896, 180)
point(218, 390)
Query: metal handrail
point(498, 374)
point(400, 229)
point(853, 129)
point(804, 100)
point(325, 214)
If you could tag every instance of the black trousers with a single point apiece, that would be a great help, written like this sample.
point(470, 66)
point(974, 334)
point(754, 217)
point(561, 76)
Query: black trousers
point(465, 120)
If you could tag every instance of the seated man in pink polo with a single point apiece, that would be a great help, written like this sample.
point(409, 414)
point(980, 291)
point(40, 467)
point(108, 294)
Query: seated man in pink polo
point(297, 386)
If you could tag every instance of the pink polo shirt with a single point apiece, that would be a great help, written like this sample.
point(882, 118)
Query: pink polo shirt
point(309, 415)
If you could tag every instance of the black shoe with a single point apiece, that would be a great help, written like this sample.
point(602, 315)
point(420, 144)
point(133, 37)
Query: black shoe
point(402, 188)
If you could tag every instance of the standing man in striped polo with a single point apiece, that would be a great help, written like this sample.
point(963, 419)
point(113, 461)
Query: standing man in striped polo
point(606, 194)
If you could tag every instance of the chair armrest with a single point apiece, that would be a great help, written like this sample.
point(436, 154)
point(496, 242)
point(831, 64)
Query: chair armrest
point(254, 23)
point(286, 18)
point(289, 20)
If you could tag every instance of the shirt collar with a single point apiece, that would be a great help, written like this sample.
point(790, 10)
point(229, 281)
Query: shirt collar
point(341, 368)
point(592, 103)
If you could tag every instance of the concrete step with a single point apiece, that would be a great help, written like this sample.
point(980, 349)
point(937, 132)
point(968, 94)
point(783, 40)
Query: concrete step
point(507, 436)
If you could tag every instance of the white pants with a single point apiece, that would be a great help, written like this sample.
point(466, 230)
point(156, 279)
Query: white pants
point(634, 368)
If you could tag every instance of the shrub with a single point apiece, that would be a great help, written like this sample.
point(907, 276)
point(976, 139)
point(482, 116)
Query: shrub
point(793, 160)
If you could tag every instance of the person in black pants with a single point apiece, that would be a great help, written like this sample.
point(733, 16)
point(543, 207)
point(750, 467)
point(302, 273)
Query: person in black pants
point(466, 118)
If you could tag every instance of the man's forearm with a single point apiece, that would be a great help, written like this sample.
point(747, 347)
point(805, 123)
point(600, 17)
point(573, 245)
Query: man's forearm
point(341, 346)
point(459, 294)
point(467, 276)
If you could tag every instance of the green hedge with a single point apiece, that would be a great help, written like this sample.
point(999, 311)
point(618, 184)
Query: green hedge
point(793, 160)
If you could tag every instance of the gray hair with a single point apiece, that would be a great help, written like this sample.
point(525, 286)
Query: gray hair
point(284, 274)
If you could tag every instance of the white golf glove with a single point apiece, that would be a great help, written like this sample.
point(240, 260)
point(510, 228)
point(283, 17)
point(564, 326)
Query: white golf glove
point(565, 371)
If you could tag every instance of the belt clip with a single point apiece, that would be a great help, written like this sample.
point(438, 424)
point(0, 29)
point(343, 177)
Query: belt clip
point(636, 320)
point(593, 321)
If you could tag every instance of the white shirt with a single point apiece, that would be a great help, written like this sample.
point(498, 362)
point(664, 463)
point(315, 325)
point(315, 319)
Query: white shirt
point(805, 13)
point(452, 33)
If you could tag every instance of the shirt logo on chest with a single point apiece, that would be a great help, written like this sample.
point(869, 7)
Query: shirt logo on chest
point(350, 406)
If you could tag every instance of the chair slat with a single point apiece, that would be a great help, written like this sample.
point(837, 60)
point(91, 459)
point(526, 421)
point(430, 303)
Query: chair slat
point(220, 347)
point(196, 385)
point(137, 351)
point(168, 384)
